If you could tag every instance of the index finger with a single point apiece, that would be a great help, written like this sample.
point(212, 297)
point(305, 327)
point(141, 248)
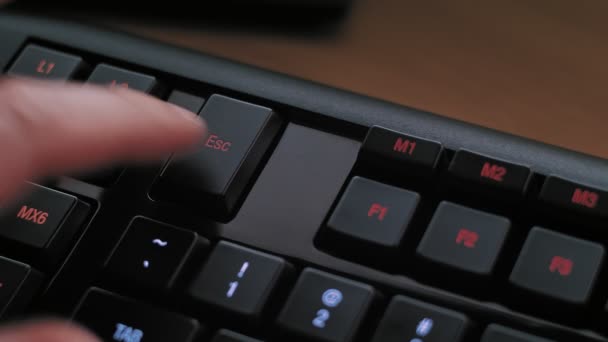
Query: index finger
point(47, 331)
point(48, 128)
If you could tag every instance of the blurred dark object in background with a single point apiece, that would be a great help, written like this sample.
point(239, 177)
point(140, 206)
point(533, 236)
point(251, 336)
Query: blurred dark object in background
point(225, 14)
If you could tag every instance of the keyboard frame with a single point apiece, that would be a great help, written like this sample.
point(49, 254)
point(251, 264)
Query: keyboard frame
point(337, 113)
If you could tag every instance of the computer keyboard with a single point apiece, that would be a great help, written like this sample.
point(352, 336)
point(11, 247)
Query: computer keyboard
point(307, 214)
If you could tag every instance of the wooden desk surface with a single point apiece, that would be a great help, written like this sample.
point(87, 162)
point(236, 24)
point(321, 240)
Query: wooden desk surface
point(533, 68)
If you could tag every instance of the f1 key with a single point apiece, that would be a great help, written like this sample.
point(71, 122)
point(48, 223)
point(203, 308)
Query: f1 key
point(565, 194)
point(398, 150)
point(215, 175)
point(480, 170)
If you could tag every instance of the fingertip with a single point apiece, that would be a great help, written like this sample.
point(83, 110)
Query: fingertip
point(48, 330)
point(58, 128)
point(197, 125)
point(189, 117)
point(183, 124)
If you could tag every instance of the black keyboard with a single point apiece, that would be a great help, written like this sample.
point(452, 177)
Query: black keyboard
point(308, 213)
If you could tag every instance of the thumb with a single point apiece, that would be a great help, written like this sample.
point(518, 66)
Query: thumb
point(48, 331)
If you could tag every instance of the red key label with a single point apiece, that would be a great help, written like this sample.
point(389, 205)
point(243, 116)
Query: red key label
point(115, 83)
point(561, 265)
point(214, 142)
point(493, 172)
point(378, 211)
point(32, 214)
point(45, 67)
point(467, 238)
point(585, 198)
point(404, 146)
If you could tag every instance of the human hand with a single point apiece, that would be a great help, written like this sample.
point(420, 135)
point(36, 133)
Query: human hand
point(52, 129)
point(47, 331)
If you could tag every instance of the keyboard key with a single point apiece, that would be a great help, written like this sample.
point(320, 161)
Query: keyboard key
point(105, 74)
point(152, 254)
point(215, 176)
point(186, 101)
point(558, 266)
point(34, 219)
point(325, 307)
point(109, 75)
point(230, 336)
point(499, 333)
point(399, 151)
point(116, 318)
point(477, 169)
point(565, 194)
point(11, 43)
point(606, 308)
point(373, 214)
point(407, 319)
point(464, 238)
point(39, 62)
point(18, 285)
point(104, 177)
point(238, 280)
point(39, 227)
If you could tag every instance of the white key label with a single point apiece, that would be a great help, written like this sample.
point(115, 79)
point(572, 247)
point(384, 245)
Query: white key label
point(125, 333)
